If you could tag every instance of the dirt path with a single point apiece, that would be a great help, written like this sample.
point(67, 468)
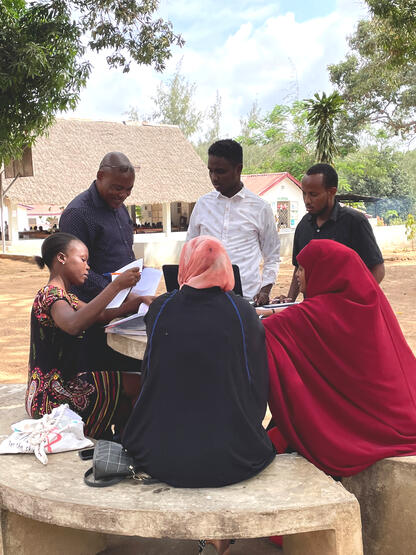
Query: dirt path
point(19, 282)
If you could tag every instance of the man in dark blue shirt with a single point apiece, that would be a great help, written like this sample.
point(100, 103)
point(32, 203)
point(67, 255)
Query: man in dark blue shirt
point(100, 219)
point(327, 219)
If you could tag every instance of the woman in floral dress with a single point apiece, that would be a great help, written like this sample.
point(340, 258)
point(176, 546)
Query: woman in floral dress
point(58, 321)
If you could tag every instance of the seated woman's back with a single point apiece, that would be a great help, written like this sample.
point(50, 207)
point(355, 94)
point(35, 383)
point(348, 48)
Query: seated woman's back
point(198, 421)
point(342, 377)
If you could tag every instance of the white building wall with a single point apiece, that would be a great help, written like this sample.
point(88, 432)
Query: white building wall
point(287, 191)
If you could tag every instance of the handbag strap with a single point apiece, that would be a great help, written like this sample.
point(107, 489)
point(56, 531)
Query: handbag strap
point(141, 477)
point(103, 483)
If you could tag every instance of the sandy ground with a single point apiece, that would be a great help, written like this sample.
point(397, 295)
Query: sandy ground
point(20, 280)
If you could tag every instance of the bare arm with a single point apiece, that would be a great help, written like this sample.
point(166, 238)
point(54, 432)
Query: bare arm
point(269, 243)
point(130, 305)
point(293, 291)
point(378, 272)
point(74, 322)
point(294, 287)
point(193, 227)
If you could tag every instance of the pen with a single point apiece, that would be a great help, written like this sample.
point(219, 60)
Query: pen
point(109, 274)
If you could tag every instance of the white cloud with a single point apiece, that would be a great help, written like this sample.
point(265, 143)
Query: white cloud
point(265, 57)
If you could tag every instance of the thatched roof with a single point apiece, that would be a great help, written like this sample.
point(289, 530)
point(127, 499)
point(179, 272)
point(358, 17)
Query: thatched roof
point(66, 161)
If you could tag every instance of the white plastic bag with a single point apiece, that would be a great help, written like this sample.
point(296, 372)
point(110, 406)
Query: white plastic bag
point(61, 430)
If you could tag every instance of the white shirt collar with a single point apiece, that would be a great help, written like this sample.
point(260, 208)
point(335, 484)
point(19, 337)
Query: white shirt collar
point(241, 193)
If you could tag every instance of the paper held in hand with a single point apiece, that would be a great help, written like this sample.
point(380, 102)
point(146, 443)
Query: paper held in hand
point(120, 297)
point(147, 285)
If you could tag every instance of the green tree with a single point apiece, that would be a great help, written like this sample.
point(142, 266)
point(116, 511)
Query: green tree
point(282, 141)
point(39, 72)
point(323, 113)
point(42, 47)
point(174, 104)
point(408, 164)
point(377, 79)
point(250, 126)
point(214, 118)
point(410, 225)
point(212, 134)
point(379, 172)
point(396, 20)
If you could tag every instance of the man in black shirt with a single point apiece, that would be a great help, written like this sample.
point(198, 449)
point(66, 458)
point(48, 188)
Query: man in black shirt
point(327, 219)
point(99, 218)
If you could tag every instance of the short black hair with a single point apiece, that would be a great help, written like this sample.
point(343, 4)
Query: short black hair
point(52, 245)
point(117, 161)
point(329, 173)
point(228, 149)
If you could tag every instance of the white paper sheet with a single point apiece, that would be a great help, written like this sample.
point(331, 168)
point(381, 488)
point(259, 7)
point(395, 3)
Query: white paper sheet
point(121, 295)
point(147, 285)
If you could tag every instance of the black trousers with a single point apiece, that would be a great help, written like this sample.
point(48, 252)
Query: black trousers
point(97, 355)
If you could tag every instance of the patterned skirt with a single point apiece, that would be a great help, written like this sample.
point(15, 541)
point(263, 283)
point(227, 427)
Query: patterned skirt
point(93, 395)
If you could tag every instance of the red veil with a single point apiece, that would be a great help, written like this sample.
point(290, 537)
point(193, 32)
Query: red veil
point(342, 377)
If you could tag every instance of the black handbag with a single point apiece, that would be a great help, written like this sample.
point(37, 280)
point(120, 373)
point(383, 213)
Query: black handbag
point(111, 464)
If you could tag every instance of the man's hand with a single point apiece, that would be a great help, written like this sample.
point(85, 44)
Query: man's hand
point(262, 296)
point(293, 291)
point(282, 299)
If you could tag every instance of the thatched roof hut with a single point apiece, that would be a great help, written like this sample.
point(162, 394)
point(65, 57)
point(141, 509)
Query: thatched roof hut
point(65, 163)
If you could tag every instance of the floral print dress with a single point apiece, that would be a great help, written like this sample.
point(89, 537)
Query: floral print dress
point(55, 376)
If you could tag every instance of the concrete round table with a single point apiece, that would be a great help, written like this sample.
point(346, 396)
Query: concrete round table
point(45, 510)
point(130, 345)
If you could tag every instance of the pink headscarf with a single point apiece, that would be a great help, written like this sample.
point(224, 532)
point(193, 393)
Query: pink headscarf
point(204, 263)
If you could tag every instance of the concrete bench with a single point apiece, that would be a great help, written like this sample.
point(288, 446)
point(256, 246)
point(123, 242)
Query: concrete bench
point(387, 495)
point(49, 510)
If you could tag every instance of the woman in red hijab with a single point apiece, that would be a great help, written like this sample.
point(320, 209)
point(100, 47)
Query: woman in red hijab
point(342, 377)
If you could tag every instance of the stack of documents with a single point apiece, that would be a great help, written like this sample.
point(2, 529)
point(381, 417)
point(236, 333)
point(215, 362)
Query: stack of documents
point(132, 325)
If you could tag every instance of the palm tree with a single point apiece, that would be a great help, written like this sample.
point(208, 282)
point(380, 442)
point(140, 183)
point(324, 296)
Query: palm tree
point(322, 114)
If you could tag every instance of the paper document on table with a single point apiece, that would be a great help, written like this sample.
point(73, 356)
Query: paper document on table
point(279, 305)
point(132, 325)
point(267, 307)
point(121, 295)
point(121, 321)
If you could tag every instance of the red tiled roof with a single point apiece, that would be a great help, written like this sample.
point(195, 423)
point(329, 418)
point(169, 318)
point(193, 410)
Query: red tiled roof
point(262, 182)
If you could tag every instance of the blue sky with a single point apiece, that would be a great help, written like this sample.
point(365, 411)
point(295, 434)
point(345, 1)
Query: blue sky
point(247, 50)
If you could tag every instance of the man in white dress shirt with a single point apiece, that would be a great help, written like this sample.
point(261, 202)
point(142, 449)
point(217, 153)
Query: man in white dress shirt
point(243, 221)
